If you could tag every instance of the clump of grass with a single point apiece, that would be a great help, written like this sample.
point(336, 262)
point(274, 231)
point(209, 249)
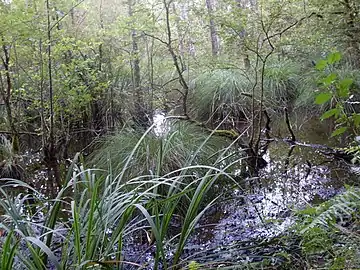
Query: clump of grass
point(156, 155)
point(221, 93)
point(9, 160)
point(281, 84)
point(227, 93)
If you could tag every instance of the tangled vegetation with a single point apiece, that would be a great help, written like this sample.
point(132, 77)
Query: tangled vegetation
point(128, 127)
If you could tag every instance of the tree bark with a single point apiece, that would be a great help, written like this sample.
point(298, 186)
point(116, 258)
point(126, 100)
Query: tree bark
point(6, 95)
point(50, 151)
point(215, 44)
point(139, 114)
point(352, 31)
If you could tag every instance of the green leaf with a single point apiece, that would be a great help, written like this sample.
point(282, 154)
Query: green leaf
point(338, 131)
point(330, 113)
point(323, 98)
point(309, 211)
point(334, 58)
point(344, 87)
point(356, 119)
point(321, 65)
point(346, 83)
point(328, 80)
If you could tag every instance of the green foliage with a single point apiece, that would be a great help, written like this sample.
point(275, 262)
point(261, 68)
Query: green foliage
point(282, 84)
point(220, 93)
point(354, 151)
point(316, 240)
point(329, 230)
point(8, 251)
point(340, 207)
point(193, 266)
point(227, 93)
point(337, 92)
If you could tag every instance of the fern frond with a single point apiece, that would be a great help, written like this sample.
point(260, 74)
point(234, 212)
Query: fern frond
point(341, 207)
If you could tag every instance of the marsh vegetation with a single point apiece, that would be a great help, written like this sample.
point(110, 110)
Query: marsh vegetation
point(179, 134)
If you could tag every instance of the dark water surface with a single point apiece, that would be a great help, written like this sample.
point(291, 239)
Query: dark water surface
point(262, 208)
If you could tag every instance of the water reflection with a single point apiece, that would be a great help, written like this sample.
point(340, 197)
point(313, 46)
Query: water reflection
point(265, 210)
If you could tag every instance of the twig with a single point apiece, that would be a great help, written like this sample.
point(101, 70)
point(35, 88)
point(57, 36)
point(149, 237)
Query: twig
point(287, 160)
point(267, 125)
point(262, 79)
point(288, 27)
point(156, 38)
point(293, 138)
point(20, 132)
point(258, 57)
point(65, 15)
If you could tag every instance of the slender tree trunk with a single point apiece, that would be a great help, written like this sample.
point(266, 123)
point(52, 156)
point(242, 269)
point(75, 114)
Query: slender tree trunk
point(50, 150)
point(6, 95)
point(43, 125)
point(353, 30)
point(180, 38)
point(215, 44)
point(140, 116)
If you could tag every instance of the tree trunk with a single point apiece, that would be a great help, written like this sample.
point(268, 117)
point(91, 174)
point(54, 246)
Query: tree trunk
point(139, 114)
point(352, 31)
point(215, 45)
point(6, 96)
point(50, 152)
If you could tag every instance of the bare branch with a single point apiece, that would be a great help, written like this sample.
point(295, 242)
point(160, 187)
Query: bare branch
point(66, 14)
point(156, 38)
point(288, 27)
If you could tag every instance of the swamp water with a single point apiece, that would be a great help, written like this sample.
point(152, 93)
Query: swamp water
point(238, 229)
point(241, 228)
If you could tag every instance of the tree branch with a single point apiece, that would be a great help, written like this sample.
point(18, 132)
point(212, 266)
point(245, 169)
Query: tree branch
point(288, 27)
point(65, 15)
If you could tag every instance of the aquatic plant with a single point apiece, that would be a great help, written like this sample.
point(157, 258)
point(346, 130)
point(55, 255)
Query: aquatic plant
point(155, 154)
point(9, 160)
point(94, 215)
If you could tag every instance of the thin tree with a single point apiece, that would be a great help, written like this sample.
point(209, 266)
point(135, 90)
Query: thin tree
point(215, 44)
point(6, 90)
point(50, 157)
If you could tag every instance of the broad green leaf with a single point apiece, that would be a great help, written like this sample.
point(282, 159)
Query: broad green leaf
point(328, 80)
point(323, 98)
point(356, 119)
point(330, 113)
point(344, 87)
point(338, 131)
point(334, 58)
point(321, 65)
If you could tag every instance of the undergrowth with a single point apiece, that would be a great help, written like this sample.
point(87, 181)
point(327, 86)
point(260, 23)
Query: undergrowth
point(330, 232)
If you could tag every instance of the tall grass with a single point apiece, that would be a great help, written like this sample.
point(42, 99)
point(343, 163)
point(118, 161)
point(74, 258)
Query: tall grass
point(9, 160)
point(282, 81)
point(156, 155)
point(222, 93)
point(104, 211)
